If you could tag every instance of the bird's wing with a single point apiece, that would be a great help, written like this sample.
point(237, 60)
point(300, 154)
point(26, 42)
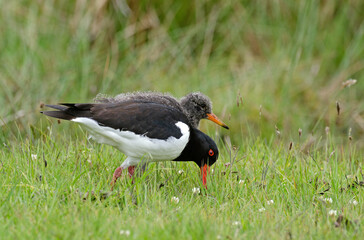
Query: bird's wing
point(153, 120)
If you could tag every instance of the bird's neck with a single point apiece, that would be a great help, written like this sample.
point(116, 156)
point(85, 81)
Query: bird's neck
point(192, 151)
point(192, 120)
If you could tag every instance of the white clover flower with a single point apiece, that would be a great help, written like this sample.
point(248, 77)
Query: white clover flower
point(236, 223)
point(241, 181)
point(196, 190)
point(270, 202)
point(175, 200)
point(328, 200)
point(180, 172)
point(125, 232)
point(34, 156)
point(333, 212)
point(354, 202)
point(261, 209)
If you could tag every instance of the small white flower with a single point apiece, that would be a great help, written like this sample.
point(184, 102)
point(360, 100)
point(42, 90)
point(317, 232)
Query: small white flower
point(354, 202)
point(180, 172)
point(261, 209)
point(236, 223)
point(241, 181)
point(270, 202)
point(175, 200)
point(212, 170)
point(125, 232)
point(328, 200)
point(196, 190)
point(333, 212)
point(34, 156)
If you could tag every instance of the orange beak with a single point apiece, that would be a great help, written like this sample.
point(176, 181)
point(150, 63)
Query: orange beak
point(204, 170)
point(214, 118)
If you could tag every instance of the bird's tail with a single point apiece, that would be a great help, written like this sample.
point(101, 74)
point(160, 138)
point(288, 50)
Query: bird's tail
point(69, 111)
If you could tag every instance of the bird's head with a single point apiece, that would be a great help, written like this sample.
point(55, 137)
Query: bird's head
point(198, 106)
point(208, 154)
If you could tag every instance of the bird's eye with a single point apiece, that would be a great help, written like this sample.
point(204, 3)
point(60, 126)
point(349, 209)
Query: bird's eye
point(211, 153)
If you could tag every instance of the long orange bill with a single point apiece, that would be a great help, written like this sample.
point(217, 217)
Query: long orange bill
point(215, 119)
point(204, 170)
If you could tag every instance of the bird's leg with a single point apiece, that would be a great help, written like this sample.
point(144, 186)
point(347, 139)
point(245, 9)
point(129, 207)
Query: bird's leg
point(131, 171)
point(115, 177)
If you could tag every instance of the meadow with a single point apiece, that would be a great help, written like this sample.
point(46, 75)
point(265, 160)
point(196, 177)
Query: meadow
point(286, 76)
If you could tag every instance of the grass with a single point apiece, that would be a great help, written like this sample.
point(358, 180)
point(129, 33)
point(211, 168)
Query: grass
point(55, 200)
point(269, 67)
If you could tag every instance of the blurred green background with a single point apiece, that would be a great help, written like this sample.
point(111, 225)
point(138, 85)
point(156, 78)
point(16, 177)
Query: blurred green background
point(266, 65)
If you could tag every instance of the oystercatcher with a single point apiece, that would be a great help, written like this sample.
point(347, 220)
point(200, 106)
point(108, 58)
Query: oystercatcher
point(195, 106)
point(144, 130)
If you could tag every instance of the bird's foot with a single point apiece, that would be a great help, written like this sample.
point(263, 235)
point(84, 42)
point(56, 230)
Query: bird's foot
point(115, 177)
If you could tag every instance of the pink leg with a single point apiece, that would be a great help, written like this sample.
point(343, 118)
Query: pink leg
point(115, 177)
point(131, 171)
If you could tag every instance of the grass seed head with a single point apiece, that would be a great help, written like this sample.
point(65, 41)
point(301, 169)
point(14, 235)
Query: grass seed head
point(350, 137)
point(338, 108)
point(327, 130)
point(278, 133)
point(348, 83)
point(260, 111)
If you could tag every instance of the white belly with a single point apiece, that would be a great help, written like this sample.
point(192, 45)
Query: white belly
point(138, 146)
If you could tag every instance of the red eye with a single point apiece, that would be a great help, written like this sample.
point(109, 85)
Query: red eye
point(211, 153)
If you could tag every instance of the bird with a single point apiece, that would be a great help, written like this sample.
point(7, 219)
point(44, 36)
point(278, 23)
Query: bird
point(195, 105)
point(146, 128)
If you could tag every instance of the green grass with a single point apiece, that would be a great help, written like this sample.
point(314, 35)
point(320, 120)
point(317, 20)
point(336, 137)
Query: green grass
point(284, 62)
point(51, 202)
